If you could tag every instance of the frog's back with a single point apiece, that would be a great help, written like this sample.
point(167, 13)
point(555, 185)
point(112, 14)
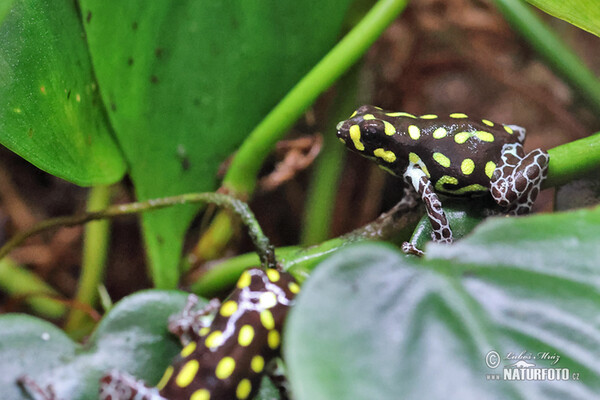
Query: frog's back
point(459, 154)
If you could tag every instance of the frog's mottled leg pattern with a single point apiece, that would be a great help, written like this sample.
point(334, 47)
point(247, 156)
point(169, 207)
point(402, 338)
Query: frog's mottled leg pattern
point(518, 177)
point(189, 325)
point(35, 391)
point(439, 223)
point(121, 386)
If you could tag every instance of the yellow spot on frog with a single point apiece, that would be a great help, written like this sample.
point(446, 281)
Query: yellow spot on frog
point(188, 349)
point(243, 389)
point(342, 140)
point(487, 122)
point(213, 340)
point(428, 116)
point(165, 378)
point(467, 166)
point(440, 133)
point(400, 114)
point(204, 331)
point(389, 128)
point(228, 308)
point(413, 158)
point(458, 115)
point(386, 155)
point(267, 299)
point(257, 364)
point(508, 129)
point(485, 136)
point(355, 136)
point(441, 159)
point(187, 373)
point(246, 335)
point(353, 114)
point(368, 117)
point(266, 318)
point(244, 280)
point(414, 132)
point(294, 287)
point(273, 274)
point(462, 137)
point(200, 394)
point(273, 339)
point(490, 167)
point(468, 189)
point(225, 368)
point(445, 180)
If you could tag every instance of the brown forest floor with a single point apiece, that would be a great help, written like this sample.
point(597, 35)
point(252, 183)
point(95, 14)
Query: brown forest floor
point(441, 56)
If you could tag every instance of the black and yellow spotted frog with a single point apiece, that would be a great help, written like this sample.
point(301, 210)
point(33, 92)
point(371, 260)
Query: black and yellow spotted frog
point(451, 155)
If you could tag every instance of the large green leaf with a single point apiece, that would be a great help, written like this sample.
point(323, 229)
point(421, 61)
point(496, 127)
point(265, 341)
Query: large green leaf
point(51, 112)
point(372, 323)
point(133, 337)
point(582, 13)
point(185, 81)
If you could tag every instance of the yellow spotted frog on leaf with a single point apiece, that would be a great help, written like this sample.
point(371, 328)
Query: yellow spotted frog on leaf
point(450, 155)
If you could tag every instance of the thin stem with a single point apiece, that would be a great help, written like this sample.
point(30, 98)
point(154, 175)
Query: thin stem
point(263, 247)
point(95, 250)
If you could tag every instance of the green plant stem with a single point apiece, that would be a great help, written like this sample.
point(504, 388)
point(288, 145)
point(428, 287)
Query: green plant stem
point(320, 201)
point(552, 49)
point(20, 282)
point(95, 248)
point(240, 179)
point(261, 242)
point(241, 176)
point(570, 160)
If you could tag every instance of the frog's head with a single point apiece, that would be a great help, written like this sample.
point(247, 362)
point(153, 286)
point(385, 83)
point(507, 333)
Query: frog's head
point(368, 132)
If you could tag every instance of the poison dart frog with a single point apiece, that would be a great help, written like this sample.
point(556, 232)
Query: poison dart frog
point(228, 358)
point(451, 155)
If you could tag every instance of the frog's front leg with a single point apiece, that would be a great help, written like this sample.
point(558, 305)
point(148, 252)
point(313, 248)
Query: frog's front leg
point(189, 325)
point(517, 179)
point(442, 233)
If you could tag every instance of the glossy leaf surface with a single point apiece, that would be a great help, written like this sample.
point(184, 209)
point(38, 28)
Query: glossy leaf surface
point(186, 81)
point(373, 323)
point(582, 13)
point(51, 113)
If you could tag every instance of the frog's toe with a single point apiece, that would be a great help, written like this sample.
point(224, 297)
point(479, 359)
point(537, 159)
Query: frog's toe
point(409, 248)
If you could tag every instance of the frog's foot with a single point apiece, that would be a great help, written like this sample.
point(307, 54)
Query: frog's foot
point(36, 391)
point(117, 385)
point(409, 248)
point(518, 177)
point(188, 324)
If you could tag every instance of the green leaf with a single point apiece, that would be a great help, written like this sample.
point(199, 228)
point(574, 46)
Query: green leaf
point(51, 113)
point(5, 8)
point(371, 323)
point(133, 337)
point(582, 13)
point(184, 83)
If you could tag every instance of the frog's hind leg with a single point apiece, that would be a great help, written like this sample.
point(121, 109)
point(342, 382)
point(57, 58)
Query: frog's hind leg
point(117, 385)
point(518, 177)
point(441, 231)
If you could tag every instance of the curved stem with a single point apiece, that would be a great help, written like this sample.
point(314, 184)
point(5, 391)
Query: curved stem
point(263, 246)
